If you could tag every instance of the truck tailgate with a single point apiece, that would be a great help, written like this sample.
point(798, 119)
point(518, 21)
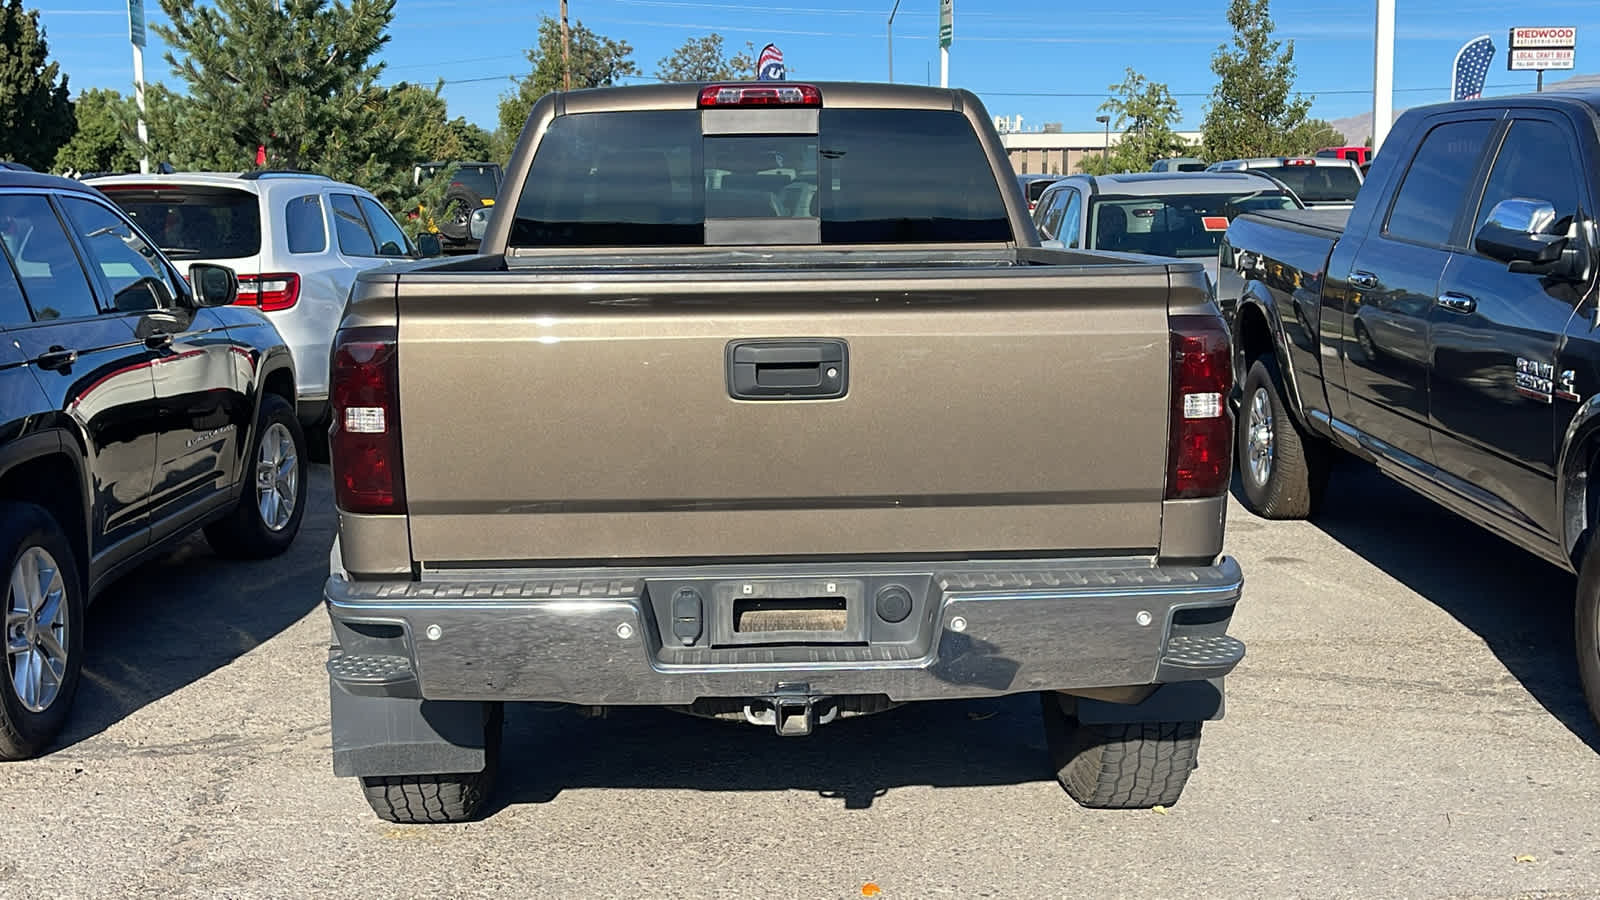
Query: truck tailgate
point(554, 415)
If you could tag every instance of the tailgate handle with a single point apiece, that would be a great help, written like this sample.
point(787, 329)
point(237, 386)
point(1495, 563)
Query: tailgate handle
point(787, 370)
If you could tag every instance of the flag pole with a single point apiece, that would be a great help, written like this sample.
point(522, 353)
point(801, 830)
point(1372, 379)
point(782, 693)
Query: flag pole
point(1383, 74)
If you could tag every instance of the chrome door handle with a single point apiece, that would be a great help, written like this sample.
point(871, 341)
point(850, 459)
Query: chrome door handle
point(1459, 303)
point(1364, 280)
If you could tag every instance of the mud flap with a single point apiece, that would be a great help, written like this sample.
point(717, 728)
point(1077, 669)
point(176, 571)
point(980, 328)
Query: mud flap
point(1183, 701)
point(402, 736)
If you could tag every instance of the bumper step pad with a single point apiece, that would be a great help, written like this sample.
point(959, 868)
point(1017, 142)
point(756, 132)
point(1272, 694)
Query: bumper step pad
point(373, 676)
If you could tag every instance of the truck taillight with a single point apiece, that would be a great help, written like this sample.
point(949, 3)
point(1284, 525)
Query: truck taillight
point(364, 440)
point(798, 95)
point(271, 293)
point(1200, 436)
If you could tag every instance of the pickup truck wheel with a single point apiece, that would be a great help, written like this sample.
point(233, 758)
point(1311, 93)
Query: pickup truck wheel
point(1128, 766)
point(1587, 623)
point(1284, 470)
point(44, 617)
point(437, 799)
point(272, 497)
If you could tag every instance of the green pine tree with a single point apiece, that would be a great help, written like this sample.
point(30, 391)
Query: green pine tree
point(296, 77)
point(107, 137)
point(35, 108)
point(1253, 110)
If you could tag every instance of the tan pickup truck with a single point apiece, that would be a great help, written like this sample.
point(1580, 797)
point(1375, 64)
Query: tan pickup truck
point(764, 403)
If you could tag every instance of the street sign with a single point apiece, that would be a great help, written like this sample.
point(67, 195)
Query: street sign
point(1528, 38)
point(1541, 59)
point(946, 23)
point(136, 22)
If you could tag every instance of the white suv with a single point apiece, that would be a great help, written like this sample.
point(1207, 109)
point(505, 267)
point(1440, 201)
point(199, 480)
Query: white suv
point(297, 241)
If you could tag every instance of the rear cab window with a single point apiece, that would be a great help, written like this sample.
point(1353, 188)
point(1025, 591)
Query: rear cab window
point(1317, 184)
point(654, 178)
point(194, 221)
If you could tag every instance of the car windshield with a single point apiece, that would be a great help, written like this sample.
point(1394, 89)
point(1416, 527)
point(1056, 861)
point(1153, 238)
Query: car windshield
point(189, 222)
point(1185, 225)
point(1318, 184)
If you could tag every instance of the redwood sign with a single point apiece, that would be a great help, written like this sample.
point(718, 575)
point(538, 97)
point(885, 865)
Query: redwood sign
point(1544, 38)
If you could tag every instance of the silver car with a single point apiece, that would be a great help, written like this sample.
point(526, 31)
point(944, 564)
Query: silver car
point(1174, 214)
point(297, 241)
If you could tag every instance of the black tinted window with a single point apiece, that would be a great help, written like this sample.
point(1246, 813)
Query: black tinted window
point(13, 308)
point(56, 284)
point(304, 222)
point(1318, 184)
point(1429, 201)
point(650, 178)
point(354, 238)
point(391, 240)
point(1535, 163)
point(194, 222)
point(131, 268)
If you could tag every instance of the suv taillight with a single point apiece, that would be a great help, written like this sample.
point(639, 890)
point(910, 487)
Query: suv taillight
point(271, 293)
point(364, 440)
point(1200, 435)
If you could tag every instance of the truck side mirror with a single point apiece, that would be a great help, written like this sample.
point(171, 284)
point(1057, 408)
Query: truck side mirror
point(428, 246)
point(213, 285)
point(1518, 232)
point(478, 225)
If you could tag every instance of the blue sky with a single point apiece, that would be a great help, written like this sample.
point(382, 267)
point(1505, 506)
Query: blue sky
point(1045, 63)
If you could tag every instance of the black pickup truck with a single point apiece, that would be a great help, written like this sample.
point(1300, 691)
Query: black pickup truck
point(1448, 332)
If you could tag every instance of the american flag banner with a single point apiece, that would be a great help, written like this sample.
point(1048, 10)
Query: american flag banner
point(769, 67)
point(1471, 68)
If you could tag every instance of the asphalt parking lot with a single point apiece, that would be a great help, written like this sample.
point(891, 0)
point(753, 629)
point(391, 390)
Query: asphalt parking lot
point(1407, 723)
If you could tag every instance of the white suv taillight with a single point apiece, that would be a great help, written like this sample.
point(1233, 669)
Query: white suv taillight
point(269, 292)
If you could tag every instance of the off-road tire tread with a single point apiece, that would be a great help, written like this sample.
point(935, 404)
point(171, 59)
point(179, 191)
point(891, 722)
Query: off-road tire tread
point(1122, 766)
point(427, 799)
point(1300, 463)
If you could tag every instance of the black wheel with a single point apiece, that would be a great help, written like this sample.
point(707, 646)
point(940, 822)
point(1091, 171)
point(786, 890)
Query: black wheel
point(272, 496)
point(455, 221)
point(1119, 766)
point(438, 799)
point(44, 619)
point(1284, 469)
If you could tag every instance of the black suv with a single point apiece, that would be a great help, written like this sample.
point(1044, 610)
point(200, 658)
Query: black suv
point(134, 408)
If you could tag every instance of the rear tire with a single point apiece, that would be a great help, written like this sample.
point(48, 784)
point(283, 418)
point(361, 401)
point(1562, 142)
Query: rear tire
point(1283, 468)
point(453, 223)
point(47, 619)
point(1125, 766)
point(1586, 620)
point(256, 529)
point(438, 799)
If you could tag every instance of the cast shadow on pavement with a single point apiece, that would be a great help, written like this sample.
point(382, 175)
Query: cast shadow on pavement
point(182, 616)
point(1520, 605)
point(970, 743)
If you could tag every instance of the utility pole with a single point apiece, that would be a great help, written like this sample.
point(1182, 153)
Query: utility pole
point(566, 51)
point(946, 34)
point(1383, 74)
point(891, 39)
point(136, 36)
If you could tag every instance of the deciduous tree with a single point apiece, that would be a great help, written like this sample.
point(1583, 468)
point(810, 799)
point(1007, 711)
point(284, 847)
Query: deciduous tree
point(106, 138)
point(1145, 112)
point(704, 59)
point(597, 61)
